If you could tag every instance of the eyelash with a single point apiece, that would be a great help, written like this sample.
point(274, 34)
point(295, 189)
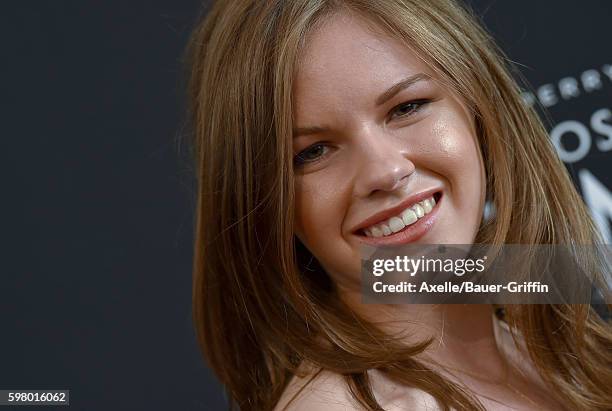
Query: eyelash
point(298, 160)
point(418, 103)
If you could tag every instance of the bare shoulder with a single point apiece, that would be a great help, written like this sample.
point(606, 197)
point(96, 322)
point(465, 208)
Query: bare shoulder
point(324, 390)
point(316, 391)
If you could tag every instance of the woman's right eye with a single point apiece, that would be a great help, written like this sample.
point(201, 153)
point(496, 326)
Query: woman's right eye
point(311, 154)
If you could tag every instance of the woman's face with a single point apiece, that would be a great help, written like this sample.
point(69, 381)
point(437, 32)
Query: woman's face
point(376, 138)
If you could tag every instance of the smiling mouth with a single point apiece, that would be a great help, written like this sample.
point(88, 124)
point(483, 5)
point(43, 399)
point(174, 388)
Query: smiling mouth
point(406, 219)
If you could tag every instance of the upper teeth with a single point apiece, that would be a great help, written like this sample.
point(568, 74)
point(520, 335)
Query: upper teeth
point(407, 217)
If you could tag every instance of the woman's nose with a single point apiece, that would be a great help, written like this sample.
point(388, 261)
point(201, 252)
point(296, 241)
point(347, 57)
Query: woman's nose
point(383, 165)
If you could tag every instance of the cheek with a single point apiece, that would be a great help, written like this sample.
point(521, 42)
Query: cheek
point(319, 201)
point(457, 148)
point(453, 153)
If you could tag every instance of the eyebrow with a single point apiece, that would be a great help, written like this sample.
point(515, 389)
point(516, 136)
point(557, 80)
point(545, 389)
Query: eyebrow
point(401, 85)
point(304, 131)
point(383, 98)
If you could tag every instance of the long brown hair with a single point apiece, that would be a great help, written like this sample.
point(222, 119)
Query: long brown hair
point(261, 306)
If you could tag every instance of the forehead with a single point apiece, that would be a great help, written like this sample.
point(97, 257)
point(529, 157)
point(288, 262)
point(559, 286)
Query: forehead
point(347, 56)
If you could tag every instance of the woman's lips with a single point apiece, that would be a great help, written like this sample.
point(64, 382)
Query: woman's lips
point(409, 233)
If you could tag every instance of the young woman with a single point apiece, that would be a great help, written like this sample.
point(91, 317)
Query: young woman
point(316, 122)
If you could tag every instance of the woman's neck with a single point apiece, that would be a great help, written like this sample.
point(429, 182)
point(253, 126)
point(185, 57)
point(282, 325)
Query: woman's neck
point(463, 334)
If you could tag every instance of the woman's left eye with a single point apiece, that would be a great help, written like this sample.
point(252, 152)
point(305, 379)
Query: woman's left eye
point(407, 109)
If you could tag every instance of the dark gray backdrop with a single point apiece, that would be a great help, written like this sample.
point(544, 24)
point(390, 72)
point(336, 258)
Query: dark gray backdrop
point(95, 295)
